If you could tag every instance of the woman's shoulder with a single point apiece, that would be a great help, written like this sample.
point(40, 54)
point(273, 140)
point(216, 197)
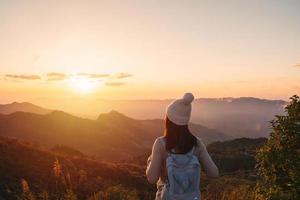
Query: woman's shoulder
point(160, 140)
point(160, 143)
point(200, 144)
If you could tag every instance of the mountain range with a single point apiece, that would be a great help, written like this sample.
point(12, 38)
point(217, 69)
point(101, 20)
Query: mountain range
point(237, 117)
point(112, 136)
point(49, 151)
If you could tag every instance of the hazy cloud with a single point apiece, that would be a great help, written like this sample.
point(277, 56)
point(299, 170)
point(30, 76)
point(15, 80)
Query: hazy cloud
point(114, 83)
point(297, 65)
point(121, 75)
point(54, 76)
point(107, 76)
point(23, 76)
point(57, 76)
point(94, 75)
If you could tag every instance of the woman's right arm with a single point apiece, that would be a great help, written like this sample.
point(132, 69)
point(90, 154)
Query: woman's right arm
point(154, 163)
point(207, 163)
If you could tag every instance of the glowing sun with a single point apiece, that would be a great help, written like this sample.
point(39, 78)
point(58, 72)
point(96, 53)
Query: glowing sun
point(84, 85)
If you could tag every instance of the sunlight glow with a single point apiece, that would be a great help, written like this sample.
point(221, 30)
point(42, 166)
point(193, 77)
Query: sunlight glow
point(83, 85)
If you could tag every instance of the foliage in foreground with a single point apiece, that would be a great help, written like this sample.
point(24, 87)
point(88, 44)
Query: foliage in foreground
point(278, 161)
point(64, 190)
point(229, 188)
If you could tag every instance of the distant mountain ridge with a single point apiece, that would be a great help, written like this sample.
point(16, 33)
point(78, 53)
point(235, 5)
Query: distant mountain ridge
point(242, 100)
point(236, 117)
point(23, 106)
point(113, 136)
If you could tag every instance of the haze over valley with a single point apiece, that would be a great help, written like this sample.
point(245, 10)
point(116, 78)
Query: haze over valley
point(234, 117)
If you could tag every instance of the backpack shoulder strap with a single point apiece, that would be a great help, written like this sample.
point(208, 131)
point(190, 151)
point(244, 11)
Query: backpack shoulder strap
point(191, 152)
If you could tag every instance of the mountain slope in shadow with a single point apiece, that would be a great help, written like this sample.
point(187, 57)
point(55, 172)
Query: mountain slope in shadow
point(113, 136)
point(23, 160)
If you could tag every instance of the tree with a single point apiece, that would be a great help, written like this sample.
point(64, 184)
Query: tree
point(278, 161)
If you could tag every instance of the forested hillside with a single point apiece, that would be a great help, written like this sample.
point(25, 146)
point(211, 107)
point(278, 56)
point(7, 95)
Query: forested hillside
point(57, 174)
point(64, 171)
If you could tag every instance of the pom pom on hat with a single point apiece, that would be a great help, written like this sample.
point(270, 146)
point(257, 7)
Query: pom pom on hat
point(179, 111)
point(188, 98)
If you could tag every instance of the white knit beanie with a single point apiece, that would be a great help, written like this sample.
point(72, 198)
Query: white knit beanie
point(179, 111)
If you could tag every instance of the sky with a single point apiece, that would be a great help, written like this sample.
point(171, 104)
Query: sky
point(138, 49)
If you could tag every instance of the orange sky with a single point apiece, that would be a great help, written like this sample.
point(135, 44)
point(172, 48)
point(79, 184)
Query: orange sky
point(148, 49)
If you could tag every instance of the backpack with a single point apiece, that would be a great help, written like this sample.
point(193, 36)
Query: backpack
point(183, 177)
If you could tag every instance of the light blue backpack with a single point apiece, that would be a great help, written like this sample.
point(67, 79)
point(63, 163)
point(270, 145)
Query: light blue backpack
point(183, 179)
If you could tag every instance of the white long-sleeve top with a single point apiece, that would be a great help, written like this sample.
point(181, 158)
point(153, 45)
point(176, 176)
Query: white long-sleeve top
point(156, 165)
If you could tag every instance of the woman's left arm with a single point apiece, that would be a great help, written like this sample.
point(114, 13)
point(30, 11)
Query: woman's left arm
point(154, 163)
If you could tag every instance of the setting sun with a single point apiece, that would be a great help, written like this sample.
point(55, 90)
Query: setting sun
point(84, 85)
